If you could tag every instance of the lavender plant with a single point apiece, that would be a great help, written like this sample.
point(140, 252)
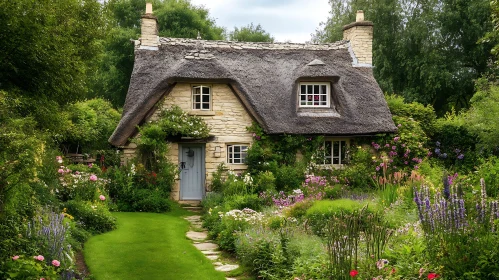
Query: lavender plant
point(458, 239)
point(49, 230)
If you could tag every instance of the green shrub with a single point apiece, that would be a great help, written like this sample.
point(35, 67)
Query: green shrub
point(211, 200)
point(265, 182)
point(323, 210)
point(309, 258)
point(93, 217)
point(264, 252)
point(151, 201)
point(217, 178)
point(289, 177)
point(489, 171)
point(299, 209)
point(251, 201)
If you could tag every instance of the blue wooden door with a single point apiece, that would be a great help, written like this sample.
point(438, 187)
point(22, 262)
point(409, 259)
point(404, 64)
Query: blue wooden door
point(192, 170)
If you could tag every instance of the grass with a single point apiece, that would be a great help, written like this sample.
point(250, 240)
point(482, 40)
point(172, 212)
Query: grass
point(148, 246)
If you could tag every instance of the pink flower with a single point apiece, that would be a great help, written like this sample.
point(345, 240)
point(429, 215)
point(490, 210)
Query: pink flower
point(58, 159)
point(396, 139)
point(60, 171)
point(15, 258)
point(101, 197)
point(39, 257)
point(93, 178)
point(90, 165)
point(56, 263)
point(42, 278)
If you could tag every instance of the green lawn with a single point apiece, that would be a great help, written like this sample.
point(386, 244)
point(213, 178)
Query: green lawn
point(147, 246)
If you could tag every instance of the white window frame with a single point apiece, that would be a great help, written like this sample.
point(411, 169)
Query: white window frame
point(243, 152)
point(340, 155)
point(307, 94)
point(201, 94)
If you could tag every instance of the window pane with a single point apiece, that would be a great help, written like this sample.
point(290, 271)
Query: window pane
point(303, 97)
point(197, 98)
point(237, 149)
point(336, 148)
point(323, 89)
point(206, 106)
point(309, 89)
point(303, 89)
point(244, 148)
point(336, 161)
point(206, 98)
point(327, 148)
point(343, 150)
point(316, 89)
point(197, 106)
point(197, 90)
point(206, 90)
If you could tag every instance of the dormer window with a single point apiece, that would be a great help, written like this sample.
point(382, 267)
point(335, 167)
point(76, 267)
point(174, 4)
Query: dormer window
point(315, 94)
point(201, 98)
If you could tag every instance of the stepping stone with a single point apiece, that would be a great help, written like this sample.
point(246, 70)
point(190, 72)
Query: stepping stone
point(227, 267)
point(230, 279)
point(218, 263)
point(198, 236)
point(209, 252)
point(193, 218)
point(213, 257)
point(206, 246)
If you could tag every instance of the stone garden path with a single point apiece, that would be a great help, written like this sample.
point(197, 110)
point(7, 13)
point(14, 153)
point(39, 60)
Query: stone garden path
point(199, 237)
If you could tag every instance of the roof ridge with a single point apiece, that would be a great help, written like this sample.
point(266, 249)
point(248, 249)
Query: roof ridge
point(251, 45)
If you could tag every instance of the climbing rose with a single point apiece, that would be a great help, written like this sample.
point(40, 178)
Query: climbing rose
point(56, 263)
point(39, 257)
point(354, 273)
point(15, 258)
point(93, 178)
point(433, 276)
point(101, 197)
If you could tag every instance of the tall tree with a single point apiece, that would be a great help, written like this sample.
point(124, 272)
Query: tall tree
point(425, 50)
point(47, 47)
point(176, 18)
point(250, 33)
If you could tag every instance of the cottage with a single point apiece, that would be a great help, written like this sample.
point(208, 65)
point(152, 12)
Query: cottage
point(287, 88)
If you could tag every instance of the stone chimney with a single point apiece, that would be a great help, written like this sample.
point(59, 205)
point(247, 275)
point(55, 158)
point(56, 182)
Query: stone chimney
point(149, 29)
point(360, 35)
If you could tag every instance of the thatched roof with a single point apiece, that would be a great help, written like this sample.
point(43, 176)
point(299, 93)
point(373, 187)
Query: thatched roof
point(266, 78)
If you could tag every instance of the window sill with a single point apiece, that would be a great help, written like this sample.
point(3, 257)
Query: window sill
point(201, 113)
point(317, 112)
point(236, 166)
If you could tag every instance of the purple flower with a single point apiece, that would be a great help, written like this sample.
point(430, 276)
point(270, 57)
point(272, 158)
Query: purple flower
point(396, 139)
point(437, 144)
point(437, 151)
point(394, 148)
point(444, 155)
point(460, 156)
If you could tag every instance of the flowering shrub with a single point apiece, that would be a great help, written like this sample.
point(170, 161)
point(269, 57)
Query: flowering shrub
point(25, 267)
point(80, 185)
point(282, 200)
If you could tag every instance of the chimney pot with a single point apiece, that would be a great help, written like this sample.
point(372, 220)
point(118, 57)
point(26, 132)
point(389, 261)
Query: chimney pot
point(148, 8)
point(360, 16)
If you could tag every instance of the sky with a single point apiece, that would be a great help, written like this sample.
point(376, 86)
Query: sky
point(286, 20)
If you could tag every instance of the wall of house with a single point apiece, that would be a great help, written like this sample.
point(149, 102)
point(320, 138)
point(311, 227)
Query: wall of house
point(227, 120)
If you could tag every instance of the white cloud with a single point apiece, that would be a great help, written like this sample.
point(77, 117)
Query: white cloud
point(292, 20)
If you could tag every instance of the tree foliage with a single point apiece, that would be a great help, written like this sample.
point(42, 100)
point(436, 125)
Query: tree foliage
point(178, 19)
point(426, 51)
point(250, 33)
point(47, 47)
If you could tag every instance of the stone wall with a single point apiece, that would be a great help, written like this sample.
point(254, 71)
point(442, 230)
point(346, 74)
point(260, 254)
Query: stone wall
point(361, 40)
point(227, 120)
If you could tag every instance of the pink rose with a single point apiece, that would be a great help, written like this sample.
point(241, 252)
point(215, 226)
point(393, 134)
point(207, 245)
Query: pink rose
point(15, 258)
point(93, 178)
point(101, 197)
point(39, 257)
point(59, 159)
point(56, 263)
point(42, 278)
point(60, 171)
point(90, 165)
